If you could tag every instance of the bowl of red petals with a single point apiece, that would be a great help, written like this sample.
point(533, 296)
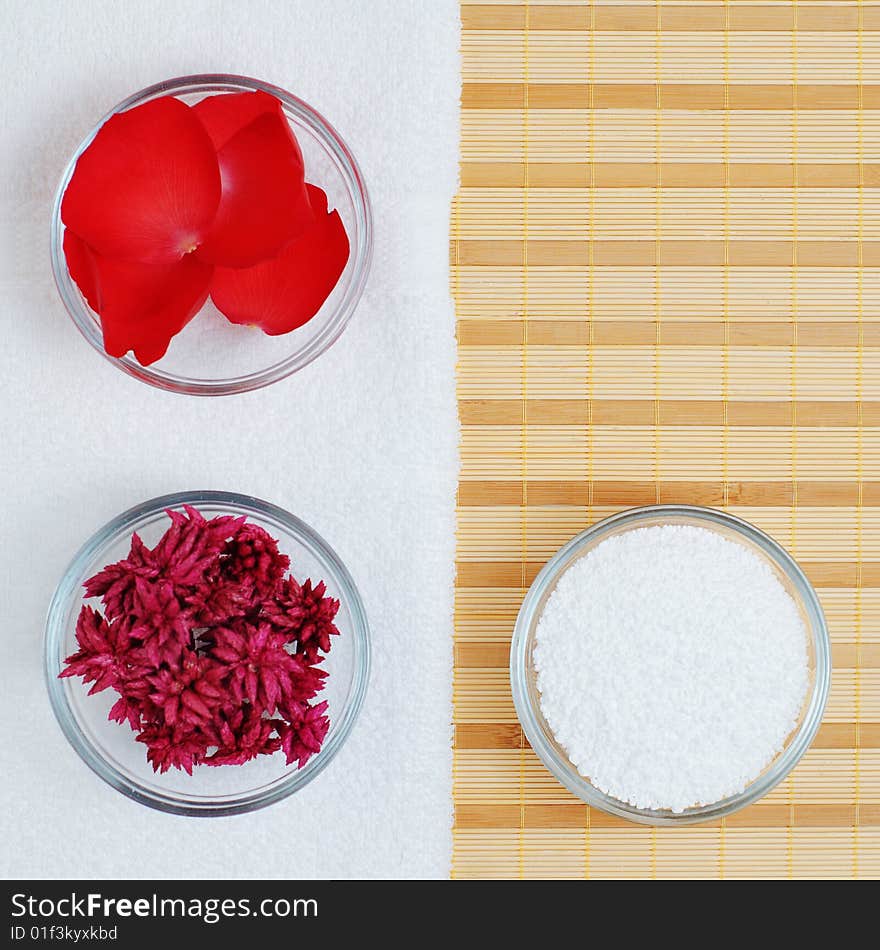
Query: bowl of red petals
point(206, 653)
point(211, 235)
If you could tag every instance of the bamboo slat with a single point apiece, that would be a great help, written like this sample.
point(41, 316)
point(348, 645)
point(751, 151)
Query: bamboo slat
point(666, 266)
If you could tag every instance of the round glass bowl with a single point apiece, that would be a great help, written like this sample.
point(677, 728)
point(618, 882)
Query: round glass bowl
point(211, 356)
point(527, 698)
point(110, 749)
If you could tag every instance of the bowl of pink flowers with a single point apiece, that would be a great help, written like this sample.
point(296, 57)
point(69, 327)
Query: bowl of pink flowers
point(206, 653)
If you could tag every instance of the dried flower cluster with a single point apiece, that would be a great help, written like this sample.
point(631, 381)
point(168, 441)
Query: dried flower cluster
point(213, 648)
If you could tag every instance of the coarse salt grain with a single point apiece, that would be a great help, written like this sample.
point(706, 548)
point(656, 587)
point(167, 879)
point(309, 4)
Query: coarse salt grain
point(672, 665)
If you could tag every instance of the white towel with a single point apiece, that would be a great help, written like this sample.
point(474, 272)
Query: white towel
point(362, 444)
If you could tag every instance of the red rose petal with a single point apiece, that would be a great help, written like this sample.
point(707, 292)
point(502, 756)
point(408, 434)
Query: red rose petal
point(229, 112)
point(285, 292)
point(81, 264)
point(141, 306)
point(264, 203)
point(147, 187)
point(177, 295)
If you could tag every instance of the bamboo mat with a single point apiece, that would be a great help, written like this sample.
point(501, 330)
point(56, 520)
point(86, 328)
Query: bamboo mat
point(666, 262)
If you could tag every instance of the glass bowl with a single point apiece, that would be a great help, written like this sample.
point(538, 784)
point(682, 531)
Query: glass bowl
point(523, 678)
point(110, 749)
point(211, 356)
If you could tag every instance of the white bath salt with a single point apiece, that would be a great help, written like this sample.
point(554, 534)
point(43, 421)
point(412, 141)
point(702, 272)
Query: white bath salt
point(672, 665)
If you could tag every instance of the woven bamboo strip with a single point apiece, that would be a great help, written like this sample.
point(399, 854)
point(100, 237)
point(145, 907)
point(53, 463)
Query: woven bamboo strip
point(691, 18)
point(496, 175)
point(666, 265)
point(691, 136)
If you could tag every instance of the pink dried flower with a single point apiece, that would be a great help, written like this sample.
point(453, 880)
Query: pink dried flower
point(221, 601)
point(253, 560)
point(213, 651)
point(129, 708)
point(306, 685)
point(190, 694)
point(302, 738)
point(307, 615)
point(105, 656)
point(259, 668)
point(243, 737)
point(163, 625)
point(191, 546)
point(168, 747)
point(249, 570)
point(115, 584)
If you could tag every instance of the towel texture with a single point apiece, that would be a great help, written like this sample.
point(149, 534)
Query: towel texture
point(81, 441)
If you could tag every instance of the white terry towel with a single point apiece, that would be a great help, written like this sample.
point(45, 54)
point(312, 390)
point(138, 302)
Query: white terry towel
point(375, 473)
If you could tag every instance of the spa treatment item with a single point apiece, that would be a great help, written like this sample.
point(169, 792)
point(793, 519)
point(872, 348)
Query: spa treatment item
point(170, 204)
point(224, 643)
point(211, 234)
point(672, 665)
point(213, 648)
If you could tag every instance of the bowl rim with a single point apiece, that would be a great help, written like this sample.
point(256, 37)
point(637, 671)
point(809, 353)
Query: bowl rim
point(69, 587)
point(83, 318)
point(561, 767)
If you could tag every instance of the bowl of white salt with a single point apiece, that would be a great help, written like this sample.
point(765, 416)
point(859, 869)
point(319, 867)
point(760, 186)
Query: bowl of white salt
point(670, 664)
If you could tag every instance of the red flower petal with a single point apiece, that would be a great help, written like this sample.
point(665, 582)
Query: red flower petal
point(81, 265)
point(282, 294)
point(141, 306)
point(264, 203)
point(229, 112)
point(148, 186)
